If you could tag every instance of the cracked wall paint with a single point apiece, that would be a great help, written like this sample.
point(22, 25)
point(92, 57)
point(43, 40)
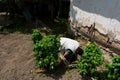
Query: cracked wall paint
point(104, 13)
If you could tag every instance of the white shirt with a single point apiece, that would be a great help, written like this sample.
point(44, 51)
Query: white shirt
point(67, 43)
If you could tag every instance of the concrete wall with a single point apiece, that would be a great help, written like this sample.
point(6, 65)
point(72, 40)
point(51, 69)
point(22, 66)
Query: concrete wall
point(103, 14)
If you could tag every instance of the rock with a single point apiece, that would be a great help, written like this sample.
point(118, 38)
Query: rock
point(113, 54)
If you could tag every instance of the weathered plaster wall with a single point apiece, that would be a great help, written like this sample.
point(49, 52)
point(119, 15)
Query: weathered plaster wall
point(103, 14)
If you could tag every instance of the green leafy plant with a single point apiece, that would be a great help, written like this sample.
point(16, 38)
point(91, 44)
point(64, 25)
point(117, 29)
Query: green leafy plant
point(114, 69)
point(5, 30)
point(91, 58)
point(36, 36)
point(46, 52)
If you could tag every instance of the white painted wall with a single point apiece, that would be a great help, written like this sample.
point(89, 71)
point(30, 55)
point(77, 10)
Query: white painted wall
point(104, 13)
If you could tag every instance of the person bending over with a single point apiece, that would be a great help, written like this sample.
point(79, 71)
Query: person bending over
point(69, 50)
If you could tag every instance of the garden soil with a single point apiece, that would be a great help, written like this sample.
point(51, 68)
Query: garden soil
point(17, 61)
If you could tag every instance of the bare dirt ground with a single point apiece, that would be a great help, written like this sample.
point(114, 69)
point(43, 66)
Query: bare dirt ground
point(17, 61)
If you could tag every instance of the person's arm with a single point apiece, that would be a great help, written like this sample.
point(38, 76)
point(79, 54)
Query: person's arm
point(63, 58)
point(68, 51)
point(65, 54)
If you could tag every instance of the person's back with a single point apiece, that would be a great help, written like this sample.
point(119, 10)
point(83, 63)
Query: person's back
point(67, 43)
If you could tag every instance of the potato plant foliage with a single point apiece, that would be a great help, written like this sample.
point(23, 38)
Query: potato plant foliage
point(91, 58)
point(114, 69)
point(36, 35)
point(46, 52)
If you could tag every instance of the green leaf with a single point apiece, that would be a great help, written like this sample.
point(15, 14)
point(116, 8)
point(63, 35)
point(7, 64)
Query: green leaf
point(114, 68)
point(46, 51)
point(91, 58)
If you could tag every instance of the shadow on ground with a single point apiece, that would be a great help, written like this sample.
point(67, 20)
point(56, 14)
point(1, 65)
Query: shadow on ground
point(58, 72)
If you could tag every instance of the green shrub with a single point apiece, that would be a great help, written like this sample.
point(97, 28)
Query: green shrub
point(91, 58)
point(114, 69)
point(36, 36)
point(46, 52)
